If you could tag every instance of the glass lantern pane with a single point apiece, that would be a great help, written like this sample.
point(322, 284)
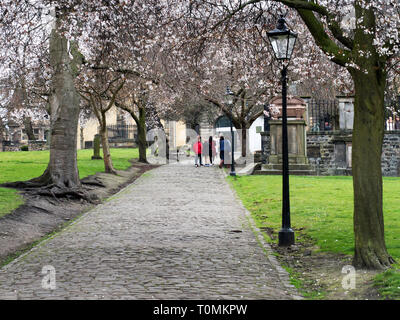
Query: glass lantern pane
point(229, 99)
point(280, 45)
point(292, 41)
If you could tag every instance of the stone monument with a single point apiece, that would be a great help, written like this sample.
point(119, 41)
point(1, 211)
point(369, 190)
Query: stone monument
point(297, 145)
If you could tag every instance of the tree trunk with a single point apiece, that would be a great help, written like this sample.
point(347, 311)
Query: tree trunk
point(62, 170)
point(29, 129)
point(244, 140)
point(370, 248)
point(61, 176)
point(1, 131)
point(96, 147)
point(142, 141)
point(82, 138)
point(108, 165)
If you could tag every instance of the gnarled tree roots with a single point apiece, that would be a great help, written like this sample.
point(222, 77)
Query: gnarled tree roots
point(44, 186)
point(369, 258)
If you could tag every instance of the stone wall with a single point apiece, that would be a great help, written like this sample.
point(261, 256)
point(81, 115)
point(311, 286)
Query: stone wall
point(330, 152)
point(37, 145)
point(391, 154)
point(11, 146)
point(326, 151)
point(33, 145)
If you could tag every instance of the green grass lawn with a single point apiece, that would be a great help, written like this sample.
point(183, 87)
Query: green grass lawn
point(323, 206)
point(24, 165)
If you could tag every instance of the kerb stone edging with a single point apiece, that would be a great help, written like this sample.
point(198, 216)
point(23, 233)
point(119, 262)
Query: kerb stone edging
point(283, 274)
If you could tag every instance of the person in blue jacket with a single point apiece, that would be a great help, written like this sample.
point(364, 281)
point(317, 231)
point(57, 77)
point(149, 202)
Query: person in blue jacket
point(221, 150)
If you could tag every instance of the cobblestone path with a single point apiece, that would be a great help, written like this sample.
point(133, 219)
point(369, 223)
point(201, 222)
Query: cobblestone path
point(177, 232)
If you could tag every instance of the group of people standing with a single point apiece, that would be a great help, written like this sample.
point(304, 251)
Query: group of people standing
point(208, 150)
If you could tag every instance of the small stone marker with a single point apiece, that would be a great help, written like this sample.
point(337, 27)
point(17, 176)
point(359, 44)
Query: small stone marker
point(96, 147)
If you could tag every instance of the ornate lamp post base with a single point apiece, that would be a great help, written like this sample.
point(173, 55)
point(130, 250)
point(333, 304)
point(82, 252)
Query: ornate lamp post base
point(286, 237)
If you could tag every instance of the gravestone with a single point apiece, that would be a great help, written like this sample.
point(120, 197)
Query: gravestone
point(96, 147)
point(341, 143)
point(340, 154)
point(346, 113)
point(314, 152)
point(349, 148)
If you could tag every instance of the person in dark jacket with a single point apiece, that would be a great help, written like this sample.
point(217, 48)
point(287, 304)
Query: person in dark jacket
point(397, 123)
point(221, 151)
point(211, 149)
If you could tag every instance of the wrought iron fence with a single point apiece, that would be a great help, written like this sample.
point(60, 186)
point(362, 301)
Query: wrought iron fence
point(392, 120)
point(116, 132)
point(323, 115)
point(9, 143)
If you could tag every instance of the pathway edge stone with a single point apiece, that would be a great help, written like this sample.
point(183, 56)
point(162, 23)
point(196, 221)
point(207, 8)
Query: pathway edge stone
point(283, 274)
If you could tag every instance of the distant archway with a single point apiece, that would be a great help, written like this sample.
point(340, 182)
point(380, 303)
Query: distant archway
point(197, 128)
point(222, 122)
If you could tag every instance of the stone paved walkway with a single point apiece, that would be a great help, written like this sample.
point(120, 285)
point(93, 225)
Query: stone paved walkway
point(176, 233)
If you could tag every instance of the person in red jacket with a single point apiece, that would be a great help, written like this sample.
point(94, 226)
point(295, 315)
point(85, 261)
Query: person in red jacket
point(198, 149)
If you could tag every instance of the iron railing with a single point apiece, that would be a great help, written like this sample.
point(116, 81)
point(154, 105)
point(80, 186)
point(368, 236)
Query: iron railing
point(392, 121)
point(116, 132)
point(323, 115)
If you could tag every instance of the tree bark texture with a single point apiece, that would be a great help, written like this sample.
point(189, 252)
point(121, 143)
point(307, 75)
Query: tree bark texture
point(370, 247)
point(62, 170)
point(140, 121)
point(142, 141)
point(244, 139)
point(29, 129)
point(108, 165)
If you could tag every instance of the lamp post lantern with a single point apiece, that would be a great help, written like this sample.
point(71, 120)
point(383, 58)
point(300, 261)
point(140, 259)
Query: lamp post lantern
point(282, 41)
point(229, 99)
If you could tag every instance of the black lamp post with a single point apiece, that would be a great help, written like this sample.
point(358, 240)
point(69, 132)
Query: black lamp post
point(282, 41)
point(229, 97)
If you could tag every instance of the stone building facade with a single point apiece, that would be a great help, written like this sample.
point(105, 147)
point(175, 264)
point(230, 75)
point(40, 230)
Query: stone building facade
point(15, 137)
